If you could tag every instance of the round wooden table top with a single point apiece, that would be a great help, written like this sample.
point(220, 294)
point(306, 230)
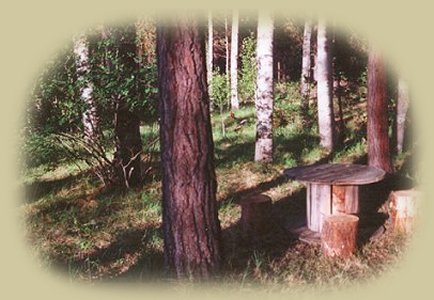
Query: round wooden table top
point(336, 174)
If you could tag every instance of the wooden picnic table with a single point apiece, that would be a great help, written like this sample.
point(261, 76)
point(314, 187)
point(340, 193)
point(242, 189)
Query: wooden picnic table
point(332, 189)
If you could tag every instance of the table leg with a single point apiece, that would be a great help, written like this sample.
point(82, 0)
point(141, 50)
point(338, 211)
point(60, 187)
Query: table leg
point(319, 205)
point(345, 199)
point(323, 200)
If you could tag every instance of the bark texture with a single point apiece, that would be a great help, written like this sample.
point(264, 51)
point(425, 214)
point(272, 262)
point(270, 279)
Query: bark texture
point(126, 122)
point(378, 127)
point(190, 220)
point(339, 235)
point(234, 62)
point(306, 65)
point(324, 89)
point(90, 117)
point(264, 90)
point(401, 114)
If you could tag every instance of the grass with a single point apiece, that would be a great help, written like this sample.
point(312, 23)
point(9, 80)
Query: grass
point(96, 234)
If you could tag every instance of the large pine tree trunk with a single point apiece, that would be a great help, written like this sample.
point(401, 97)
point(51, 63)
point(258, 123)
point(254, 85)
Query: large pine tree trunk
point(190, 220)
point(264, 92)
point(324, 89)
point(306, 66)
point(377, 127)
point(90, 117)
point(401, 114)
point(234, 62)
point(126, 122)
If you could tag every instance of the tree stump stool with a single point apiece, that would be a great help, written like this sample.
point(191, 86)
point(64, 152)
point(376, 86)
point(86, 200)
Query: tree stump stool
point(256, 215)
point(339, 234)
point(402, 208)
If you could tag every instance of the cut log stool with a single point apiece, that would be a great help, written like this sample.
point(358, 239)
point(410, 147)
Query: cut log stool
point(339, 234)
point(256, 215)
point(402, 207)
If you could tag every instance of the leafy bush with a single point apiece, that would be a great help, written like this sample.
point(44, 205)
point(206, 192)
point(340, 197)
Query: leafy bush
point(220, 90)
point(247, 82)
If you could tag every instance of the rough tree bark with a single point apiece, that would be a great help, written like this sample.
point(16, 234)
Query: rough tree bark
point(90, 117)
point(324, 89)
point(306, 65)
point(264, 90)
point(234, 62)
point(126, 122)
point(401, 114)
point(377, 127)
point(190, 221)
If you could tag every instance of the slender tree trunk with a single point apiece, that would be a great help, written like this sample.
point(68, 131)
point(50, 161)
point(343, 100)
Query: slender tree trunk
point(190, 221)
point(401, 114)
point(90, 117)
point(324, 90)
point(305, 67)
point(378, 137)
point(264, 92)
point(234, 62)
point(209, 53)
point(227, 50)
point(126, 122)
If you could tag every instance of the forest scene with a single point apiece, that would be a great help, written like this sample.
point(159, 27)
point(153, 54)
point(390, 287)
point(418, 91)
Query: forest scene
point(249, 149)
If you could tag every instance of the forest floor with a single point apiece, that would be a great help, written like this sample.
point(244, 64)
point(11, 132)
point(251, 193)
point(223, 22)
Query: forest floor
point(94, 234)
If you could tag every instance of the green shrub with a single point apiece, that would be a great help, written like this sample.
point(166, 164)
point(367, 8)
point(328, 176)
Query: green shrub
point(247, 82)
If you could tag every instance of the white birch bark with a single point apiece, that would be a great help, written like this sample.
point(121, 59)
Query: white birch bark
point(264, 90)
point(234, 62)
point(305, 67)
point(324, 89)
point(89, 118)
point(209, 57)
point(401, 114)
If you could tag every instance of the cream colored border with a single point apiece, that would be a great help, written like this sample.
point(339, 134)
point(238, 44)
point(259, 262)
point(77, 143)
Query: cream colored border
point(31, 33)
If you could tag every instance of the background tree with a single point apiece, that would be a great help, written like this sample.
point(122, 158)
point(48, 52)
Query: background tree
point(90, 117)
point(190, 222)
point(306, 65)
point(324, 89)
point(264, 92)
point(401, 114)
point(377, 127)
point(234, 62)
point(209, 56)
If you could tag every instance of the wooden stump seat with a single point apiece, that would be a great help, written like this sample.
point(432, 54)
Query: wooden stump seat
point(339, 235)
point(256, 215)
point(402, 208)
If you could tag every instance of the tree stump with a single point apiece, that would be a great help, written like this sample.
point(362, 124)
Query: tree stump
point(339, 234)
point(402, 208)
point(256, 215)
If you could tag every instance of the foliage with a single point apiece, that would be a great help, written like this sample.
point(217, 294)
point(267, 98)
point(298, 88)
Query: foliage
point(247, 82)
point(220, 89)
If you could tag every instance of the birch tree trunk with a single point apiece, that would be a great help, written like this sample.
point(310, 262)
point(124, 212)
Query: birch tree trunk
point(264, 91)
point(209, 53)
point(234, 62)
point(401, 114)
point(377, 127)
point(306, 66)
point(90, 117)
point(227, 51)
point(190, 220)
point(324, 89)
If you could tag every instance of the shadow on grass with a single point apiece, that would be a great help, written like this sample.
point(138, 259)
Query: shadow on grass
point(41, 188)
